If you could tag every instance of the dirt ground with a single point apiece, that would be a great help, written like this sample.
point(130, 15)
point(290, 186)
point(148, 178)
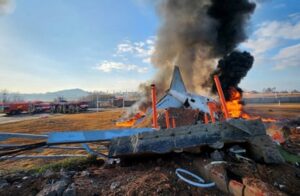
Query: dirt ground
point(22, 117)
point(155, 176)
point(147, 176)
point(140, 176)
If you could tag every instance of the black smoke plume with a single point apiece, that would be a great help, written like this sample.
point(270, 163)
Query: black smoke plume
point(231, 17)
point(231, 70)
point(193, 34)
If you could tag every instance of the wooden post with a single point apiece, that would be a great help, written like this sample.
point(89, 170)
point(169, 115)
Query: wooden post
point(154, 112)
point(221, 96)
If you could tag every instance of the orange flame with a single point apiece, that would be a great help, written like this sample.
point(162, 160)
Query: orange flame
point(127, 123)
point(130, 122)
point(235, 107)
point(277, 136)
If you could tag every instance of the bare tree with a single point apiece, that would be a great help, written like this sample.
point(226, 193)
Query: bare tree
point(269, 90)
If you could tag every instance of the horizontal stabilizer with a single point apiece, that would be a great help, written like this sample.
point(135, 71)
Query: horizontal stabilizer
point(168, 101)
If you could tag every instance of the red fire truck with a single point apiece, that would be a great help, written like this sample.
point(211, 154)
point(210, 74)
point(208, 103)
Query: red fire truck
point(14, 108)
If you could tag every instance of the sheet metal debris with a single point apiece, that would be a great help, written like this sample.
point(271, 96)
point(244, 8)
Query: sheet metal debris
point(91, 136)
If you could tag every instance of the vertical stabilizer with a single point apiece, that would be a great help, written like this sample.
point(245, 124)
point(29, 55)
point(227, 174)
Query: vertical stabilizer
point(177, 82)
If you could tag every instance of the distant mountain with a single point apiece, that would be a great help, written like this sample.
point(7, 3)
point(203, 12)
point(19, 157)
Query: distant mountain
point(69, 94)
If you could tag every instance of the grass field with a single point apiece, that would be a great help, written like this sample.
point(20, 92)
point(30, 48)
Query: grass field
point(84, 121)
point(281, 111)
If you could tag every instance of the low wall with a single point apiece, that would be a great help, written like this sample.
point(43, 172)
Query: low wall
point(272, 100)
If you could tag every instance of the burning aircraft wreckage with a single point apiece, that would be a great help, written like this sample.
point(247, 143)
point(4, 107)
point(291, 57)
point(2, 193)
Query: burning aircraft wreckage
point(181, 122)
point(216, 129)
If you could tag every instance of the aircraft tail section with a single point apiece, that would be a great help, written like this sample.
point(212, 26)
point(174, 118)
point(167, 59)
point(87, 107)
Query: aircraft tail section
point(177, 85)
point(177, 82)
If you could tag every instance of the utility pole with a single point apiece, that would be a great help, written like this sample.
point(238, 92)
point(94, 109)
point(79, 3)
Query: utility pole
point(97, 102)
point(4, 99)
point(124, 96)
point(123, 102)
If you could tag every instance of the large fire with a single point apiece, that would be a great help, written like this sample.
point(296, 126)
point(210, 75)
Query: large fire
point(235, 110)
point(235, 107)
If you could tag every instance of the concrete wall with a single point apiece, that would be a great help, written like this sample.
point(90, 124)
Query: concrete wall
point(272, 100)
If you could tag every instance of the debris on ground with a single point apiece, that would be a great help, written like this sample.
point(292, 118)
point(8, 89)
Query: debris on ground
point(233, 167)
point(156, 175)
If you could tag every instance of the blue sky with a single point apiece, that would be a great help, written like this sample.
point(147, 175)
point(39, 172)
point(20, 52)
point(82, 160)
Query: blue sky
point(106, 45)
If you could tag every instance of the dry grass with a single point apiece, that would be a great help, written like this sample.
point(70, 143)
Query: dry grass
point(84, 121)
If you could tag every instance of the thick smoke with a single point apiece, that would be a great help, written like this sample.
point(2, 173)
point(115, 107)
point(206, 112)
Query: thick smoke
point(193, 35)
point(232, 17)
point(231, 70)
